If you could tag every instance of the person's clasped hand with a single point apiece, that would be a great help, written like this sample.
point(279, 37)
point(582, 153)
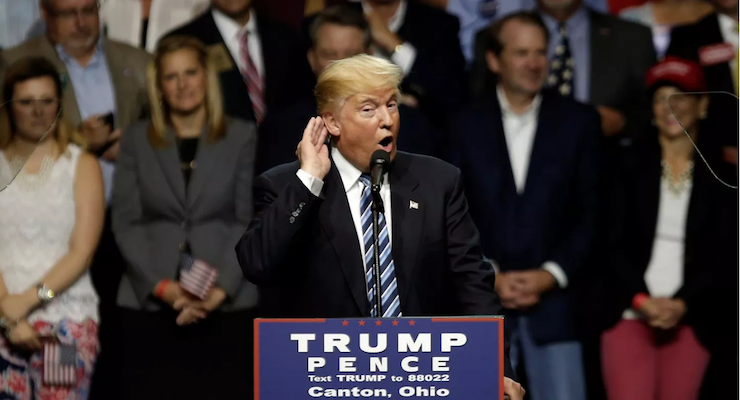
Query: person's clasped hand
point(193, 310)
point(663, 313)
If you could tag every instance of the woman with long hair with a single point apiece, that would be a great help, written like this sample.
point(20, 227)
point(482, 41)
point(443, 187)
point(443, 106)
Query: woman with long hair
point(182, 198)
point(51, 217)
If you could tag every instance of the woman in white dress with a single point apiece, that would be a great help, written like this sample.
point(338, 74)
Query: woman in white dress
point(51, 217)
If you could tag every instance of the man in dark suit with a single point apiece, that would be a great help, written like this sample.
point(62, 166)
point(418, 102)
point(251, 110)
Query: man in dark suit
point(306, 242)
point(608, 61)
point(713, 43)
point(337, 32)
point(260, 62)
point(423, 41)
point(529, 159)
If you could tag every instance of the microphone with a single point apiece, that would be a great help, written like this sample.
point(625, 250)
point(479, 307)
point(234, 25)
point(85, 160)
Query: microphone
point(378, 165)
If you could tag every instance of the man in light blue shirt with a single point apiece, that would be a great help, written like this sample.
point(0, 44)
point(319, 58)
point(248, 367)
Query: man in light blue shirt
point(100, 77)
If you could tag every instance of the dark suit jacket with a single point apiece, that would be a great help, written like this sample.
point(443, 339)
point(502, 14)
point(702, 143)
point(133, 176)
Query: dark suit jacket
point(554, 218)
point(621, 53)
point(154, 212)
point(312, 265)
point(710, 253)
point(437, 77)
point(686, 42)
point(287, 75)
point(281, 131)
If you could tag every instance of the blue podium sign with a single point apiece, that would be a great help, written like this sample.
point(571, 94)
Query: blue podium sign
point(403, 358)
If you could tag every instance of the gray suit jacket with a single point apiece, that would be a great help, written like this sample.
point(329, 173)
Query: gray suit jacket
point(153, 211)
point(127, 66)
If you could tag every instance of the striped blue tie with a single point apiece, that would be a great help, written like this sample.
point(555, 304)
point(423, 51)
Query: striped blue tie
point(391, 301)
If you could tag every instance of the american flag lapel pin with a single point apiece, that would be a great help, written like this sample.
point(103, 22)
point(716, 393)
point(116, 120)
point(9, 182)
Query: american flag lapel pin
point(413, 205)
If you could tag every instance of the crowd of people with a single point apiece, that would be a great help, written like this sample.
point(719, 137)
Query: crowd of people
point(597, 154)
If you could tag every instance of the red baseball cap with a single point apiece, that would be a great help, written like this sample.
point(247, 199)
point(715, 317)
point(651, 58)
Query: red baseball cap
point(683, 74)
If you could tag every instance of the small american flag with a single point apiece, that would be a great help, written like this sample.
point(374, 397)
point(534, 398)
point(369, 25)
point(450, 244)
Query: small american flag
point(196, 276)
point(60, 364)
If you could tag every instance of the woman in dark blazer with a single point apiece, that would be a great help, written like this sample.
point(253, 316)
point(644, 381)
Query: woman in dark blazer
point(182, 198)
point(670, 244)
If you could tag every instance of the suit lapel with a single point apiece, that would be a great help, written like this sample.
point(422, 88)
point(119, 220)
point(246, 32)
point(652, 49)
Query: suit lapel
point(71, 108)
point(600, 66)
point(501, 147)
point(169, 160)
point(407, 222)
point(123, 91)
point(648, 192)
point(205, 159)
point(338, 225)
point(545, 138)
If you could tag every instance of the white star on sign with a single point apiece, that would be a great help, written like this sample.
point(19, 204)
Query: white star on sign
point(567, 74)
point(560, 50)
point(556, 64)
point(552, 79)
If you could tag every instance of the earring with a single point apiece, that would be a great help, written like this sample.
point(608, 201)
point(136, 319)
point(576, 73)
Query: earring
point(703, 114)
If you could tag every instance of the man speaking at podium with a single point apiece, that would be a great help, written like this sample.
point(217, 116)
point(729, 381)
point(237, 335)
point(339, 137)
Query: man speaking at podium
point(310, 244)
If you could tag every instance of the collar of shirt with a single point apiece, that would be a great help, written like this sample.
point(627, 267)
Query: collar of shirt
point(68, 59)
point(576, 24)
point(349, 173)
point(231, 30)
point(396, 21)
point(728, 27)
point(532, 109)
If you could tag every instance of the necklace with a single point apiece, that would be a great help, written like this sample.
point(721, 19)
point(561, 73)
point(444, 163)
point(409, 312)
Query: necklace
point(31, 182)
point(683, 182)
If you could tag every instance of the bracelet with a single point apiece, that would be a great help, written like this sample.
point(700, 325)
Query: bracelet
point(161, 286)
point(639, 300)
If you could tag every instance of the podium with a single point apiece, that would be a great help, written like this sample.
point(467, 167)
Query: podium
point(402, 358)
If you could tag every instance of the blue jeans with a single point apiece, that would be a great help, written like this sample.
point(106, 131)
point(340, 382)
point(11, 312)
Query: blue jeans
point(554, 371)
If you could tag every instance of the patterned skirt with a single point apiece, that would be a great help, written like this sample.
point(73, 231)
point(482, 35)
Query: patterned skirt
point(21, 372)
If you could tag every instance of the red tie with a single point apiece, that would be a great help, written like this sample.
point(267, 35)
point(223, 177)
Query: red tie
point(253, 80)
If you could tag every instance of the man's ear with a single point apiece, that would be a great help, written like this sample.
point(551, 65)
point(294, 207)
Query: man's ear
point(312, 60)
point(492, 62)
point(332, 124)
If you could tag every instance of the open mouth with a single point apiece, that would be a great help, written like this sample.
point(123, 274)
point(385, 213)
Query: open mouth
point(386, 144)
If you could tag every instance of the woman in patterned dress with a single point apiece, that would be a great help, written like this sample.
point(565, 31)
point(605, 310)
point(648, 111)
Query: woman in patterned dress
point(51, 217)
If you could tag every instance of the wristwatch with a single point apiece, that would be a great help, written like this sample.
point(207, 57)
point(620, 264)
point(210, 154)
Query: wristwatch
point(45, 294)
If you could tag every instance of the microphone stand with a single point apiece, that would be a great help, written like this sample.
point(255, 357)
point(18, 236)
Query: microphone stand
point(377, 208)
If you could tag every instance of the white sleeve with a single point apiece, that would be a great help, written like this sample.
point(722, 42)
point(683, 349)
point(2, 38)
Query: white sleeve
point(312, 183)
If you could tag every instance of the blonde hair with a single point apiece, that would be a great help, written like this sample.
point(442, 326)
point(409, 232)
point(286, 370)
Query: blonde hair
point(159, 112)
point(25, 69)
point(345, 78)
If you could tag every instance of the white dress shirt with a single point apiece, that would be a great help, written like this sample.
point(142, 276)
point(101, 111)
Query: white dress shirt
point(406, 55)
point(231, 32)
point(519, 131)
point(664, 274)
point(353, 188)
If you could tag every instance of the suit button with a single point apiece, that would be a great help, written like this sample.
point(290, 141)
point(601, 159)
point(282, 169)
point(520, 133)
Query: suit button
point(182, 246)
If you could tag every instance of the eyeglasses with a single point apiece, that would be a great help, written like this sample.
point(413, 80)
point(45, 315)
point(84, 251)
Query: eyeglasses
point(71, 14)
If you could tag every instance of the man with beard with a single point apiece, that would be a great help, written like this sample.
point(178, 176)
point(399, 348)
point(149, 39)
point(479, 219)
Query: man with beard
point(104, 90)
